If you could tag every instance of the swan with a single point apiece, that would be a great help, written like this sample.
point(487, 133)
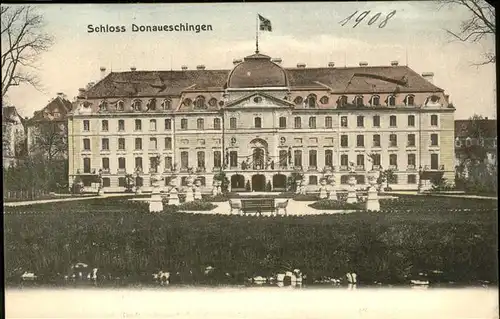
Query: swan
point(352, 278)
point(259, 280)
point(28, 276)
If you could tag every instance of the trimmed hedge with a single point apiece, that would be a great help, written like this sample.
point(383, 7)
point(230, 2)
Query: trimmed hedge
point(198, 205)
point(328, 204)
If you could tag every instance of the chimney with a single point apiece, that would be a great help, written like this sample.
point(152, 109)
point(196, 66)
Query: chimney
point(237, 61)
point(394, 63)
point(61, 95)
point(363, 63)
point(200, 67)
point(301, 65)
point(277, 60)
point(184, 67)
point(103, 72)
point(331, 64)
point(429, 76)
point(81, 93)
point(132, 68)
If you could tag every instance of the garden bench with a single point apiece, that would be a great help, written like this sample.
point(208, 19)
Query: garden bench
point(257, 205)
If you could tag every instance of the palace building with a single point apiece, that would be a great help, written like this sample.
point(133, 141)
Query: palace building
point(260, 122)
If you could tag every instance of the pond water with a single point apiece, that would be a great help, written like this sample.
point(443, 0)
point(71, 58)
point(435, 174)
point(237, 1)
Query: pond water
point(250, 302)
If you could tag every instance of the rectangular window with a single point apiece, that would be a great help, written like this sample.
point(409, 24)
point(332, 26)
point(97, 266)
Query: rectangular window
point(283, 158)
point(86, 125)
point(106, 182)
point(200, 124)
point(121, 181)
point(393, 160)
point(328, 122)
point(297, 122)
point(232, 123)
point(121, 125)
point(411, 139)
point(393, 140)
point(184, 124)
point(105, 125)
point(138, 143)
point(434, 140)
point(411, 120)
point(200, 156)
point(217, 123)
point(313, 180)
point(105, 163)
point(152, 125)
point(138, 125)
point(411, 160)
point(184, 160)
point(329, 158)
point(168, 143)
point(360, 141)
point(434, 161)
point(121, 163)
point(152, 165)
point(168, 124)
point(217, 159)
point(344, 141)
point(168, 163)
point(257, 122)
point(153, 145)
point(86, 165)
point(138, 163)
point(392, 121)
point(376, 140)
point(412, 179)
point(297, 158)
point(376, 121)
point(233, 159)
point(376, 159)
point(434, 120)
point(312, 122)
point(360, 160)
point(313, 158)
point(105, 144)
point(361, 121)
point(86, 144)
point(282, 122)
point(344, 160)
point(343, 121)
point(121, 144)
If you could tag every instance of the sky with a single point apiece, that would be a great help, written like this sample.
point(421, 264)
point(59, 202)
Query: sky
point(303, 32)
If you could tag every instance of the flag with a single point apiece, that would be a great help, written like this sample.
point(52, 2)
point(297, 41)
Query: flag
point(265, 24)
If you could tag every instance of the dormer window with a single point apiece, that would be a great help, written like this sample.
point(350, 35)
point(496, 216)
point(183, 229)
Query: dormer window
point(137, 105)
point(391, 100)
point(187, 101)
point(103, 106)
point(324, 100)
point(358, 100)
point(298, 100)
point(375, 100)
point(166, 104)
point(212, 102)
point(410, 100)
point(200, 102)
point(342, 101)
point(433, 99)
point(152, 105)
point(311, 101)
point(120, 106)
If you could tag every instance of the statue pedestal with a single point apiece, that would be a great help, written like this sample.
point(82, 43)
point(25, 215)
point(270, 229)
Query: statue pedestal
point(173, 197)
point(189, 194)
point(333, 194)
point(100, 192)
point(372, 202)
point(351, 195)
point(155, 203)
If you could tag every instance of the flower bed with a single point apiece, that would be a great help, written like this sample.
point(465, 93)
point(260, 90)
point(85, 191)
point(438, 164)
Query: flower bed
point(198, 205)
point(305, 197)
point(218, 198)
point(328, 204)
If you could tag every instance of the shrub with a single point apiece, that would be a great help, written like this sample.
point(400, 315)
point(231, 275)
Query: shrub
point(268, 186)
point(328, 204)
point(198, 205)
point(247, 186)
point(217, 198)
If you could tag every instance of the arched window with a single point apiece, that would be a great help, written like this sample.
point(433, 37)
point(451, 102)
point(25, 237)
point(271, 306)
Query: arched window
point(410, 100)
point(358, 100)
point(375, 100)
point(298, 100)
point(166, 104)
point(200, 102)
point(152, 105)
point(137, 105)
point(103, 106)
point(120, 106)
point(311, 100)
point(391, 100)
point(342, 101)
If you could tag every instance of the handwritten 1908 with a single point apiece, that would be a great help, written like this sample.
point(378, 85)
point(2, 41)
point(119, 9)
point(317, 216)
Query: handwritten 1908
point(373, 19)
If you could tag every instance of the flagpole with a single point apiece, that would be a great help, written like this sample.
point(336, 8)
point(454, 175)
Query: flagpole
point(257, 35)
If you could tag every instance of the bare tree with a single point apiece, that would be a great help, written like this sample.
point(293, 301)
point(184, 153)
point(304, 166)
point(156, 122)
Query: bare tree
point(23, 40)
point(480, 25)
point(49, 140)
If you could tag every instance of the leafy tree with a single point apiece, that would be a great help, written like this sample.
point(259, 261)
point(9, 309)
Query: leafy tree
point(388, 176)
point(268, 186)
point(247, 186)
point(292, 180)
point(221, 176)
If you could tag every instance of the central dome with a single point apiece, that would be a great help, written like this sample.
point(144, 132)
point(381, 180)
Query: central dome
point(257, 70)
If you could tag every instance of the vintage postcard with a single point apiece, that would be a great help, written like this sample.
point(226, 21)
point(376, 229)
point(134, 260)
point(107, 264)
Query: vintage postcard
point(250, 160)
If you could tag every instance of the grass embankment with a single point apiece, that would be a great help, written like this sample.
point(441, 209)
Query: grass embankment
point(409, 235)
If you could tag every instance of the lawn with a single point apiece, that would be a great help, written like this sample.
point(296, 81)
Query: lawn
point(411, 234)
